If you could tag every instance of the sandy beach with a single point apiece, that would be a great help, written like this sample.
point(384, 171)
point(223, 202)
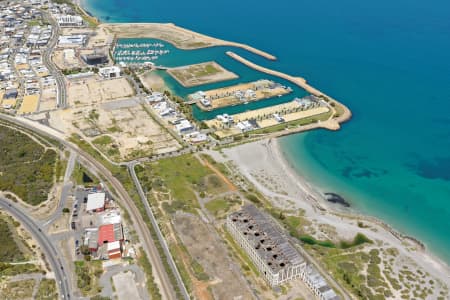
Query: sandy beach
point(264, 166)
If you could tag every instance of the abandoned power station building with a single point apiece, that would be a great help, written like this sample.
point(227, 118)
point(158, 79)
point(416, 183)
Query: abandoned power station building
point(272, 253)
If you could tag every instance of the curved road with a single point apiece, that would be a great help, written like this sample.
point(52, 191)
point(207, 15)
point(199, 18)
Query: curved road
point(161, 277)
point(61, 97)
point(47, 247)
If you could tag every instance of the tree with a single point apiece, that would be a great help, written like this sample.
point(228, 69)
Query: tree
point(66, 210)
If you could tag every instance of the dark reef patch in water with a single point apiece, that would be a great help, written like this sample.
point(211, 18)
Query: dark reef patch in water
point(438, 168)
point(337, 199)
point(357, 172)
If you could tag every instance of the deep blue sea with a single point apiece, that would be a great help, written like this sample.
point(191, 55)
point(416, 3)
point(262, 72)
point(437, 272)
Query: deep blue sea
point(388, 61)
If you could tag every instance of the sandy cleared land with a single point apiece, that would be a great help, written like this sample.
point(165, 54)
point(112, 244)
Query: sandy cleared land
point(153, 82)
point(63, 61)
point(263, 164)
point(199, 74)
point(98, 37)
point(125, 285)
point(93, 90)
point(9, 103)
point(180, 37)
point(120, 129)
point(30, 104)
point(48, 99)
point(204, 246)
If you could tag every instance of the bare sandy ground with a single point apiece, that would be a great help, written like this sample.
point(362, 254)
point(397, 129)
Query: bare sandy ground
point(153, 82)
point(263, 164)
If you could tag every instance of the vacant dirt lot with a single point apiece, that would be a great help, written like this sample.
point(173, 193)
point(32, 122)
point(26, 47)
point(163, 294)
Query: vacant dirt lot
point(93, 89)
point(48, 99)
point(204, 246)
point(121, 129)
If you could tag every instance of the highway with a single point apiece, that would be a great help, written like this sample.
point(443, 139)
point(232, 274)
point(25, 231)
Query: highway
point(47, 247)
point(160, 274)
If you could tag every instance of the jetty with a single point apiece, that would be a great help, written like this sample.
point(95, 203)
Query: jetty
point(300, 81)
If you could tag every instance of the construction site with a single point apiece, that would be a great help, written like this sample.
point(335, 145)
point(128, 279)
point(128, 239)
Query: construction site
point(121, 129)
point(87, 89)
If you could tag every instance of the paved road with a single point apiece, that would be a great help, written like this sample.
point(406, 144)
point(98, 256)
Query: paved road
point(47, 247)
point(161, 277)
point(158, 232)
point(47, 60)
point(67, 187)
point(106, 280)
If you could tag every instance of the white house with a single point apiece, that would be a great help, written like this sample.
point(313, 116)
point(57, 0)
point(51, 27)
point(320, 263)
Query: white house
point(184, 127)
point(110, 72)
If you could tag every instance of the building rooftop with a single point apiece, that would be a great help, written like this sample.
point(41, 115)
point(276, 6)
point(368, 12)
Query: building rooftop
point(318, 282)
point(270, 244)
point(95, 201)
point(109, 233)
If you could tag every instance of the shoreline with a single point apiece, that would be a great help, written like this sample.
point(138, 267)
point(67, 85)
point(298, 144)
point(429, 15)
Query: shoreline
point(167, 32)
point(440, 268)
point(267, 158)
point(300, 81)
point(82, 4)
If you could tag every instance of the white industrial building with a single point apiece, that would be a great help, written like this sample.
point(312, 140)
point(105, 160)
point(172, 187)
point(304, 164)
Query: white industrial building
point(72, 40)
point(70, 21)
point(96, 202)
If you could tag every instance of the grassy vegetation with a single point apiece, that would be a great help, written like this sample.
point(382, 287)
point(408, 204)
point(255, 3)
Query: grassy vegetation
point(128, 184)
point(12, 270)
point(199, 271)
point(19, 290)
point(83, 177)
point(26, 168)
point(219, 166)
point(181, 175)
point(80, 142)
point(9, 251)
point(294, 124)
point(197, 71)
point(151, 285)
point(294, 225)
point(103, 140)
point(107, 145)
point(246, 262)
point(357, 271)
point(87, 276)
point(217, 206)
point(99, 297)
point(47, 290)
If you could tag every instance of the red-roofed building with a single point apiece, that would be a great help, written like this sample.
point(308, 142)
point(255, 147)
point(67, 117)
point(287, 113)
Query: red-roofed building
point(110, 233)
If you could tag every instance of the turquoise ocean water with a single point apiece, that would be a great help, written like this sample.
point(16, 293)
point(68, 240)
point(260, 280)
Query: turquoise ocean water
point(389, 61)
